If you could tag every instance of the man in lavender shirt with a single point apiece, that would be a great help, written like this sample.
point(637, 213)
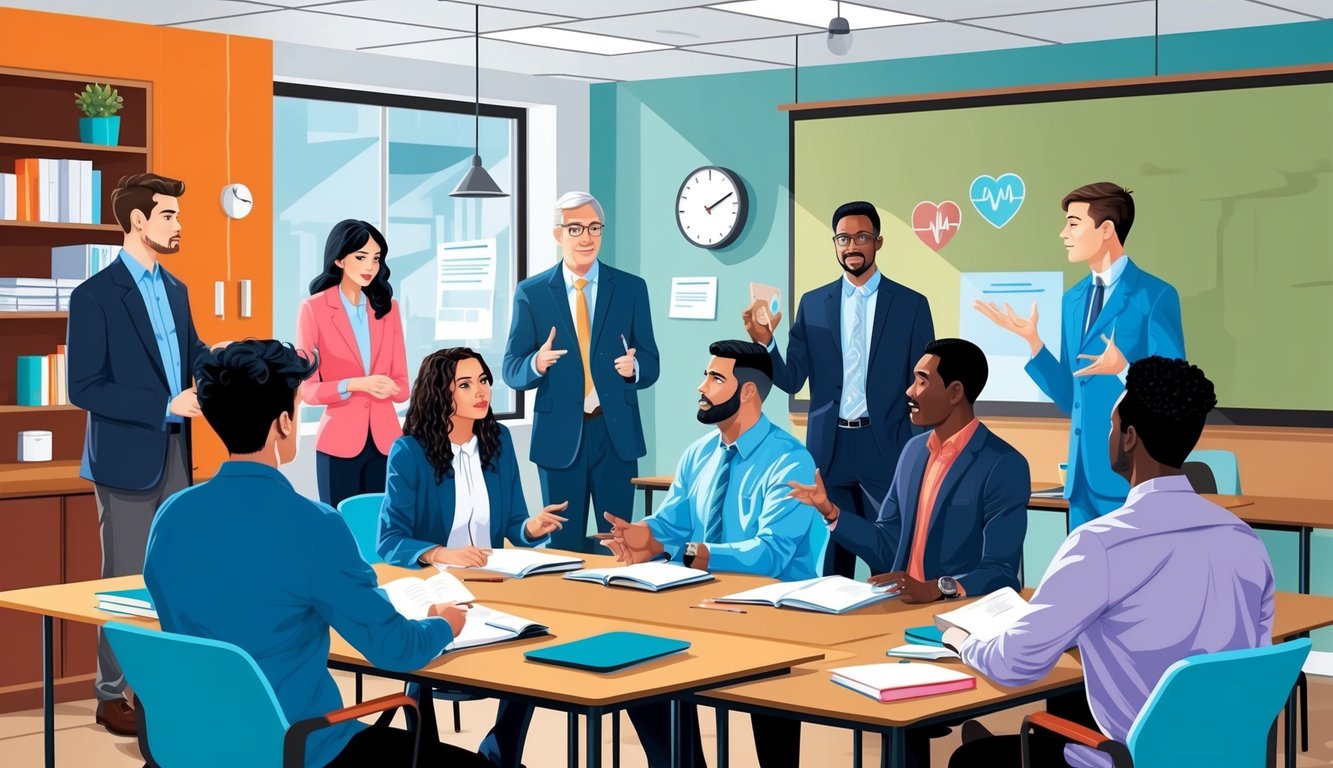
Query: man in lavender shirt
point(1167, 576)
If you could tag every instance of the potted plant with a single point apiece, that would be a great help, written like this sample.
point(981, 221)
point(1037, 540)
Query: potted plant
point(102, 125)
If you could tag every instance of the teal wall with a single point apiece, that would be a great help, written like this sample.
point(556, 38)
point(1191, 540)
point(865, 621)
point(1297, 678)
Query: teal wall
point(646, 136)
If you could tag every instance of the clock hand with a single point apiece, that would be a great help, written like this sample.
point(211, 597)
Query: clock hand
point(237, 195)
point(709, 208)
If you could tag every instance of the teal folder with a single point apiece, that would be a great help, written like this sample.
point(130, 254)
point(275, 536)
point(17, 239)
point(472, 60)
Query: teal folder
point(608, 652)
point(138, 598)
point(31, 371)
point(927, 635)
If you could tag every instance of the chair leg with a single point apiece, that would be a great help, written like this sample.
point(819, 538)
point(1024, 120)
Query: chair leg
point(458, 718)
point(358, 687)
point(1303, 691)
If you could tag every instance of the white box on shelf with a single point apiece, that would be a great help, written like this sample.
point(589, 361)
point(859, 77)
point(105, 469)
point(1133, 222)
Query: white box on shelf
point(35, 445)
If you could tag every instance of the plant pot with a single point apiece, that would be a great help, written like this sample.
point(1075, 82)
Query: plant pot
point(100, 130)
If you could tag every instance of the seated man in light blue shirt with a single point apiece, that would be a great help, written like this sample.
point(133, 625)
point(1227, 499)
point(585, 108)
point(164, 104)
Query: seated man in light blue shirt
point(730, 506)
point(297, 570)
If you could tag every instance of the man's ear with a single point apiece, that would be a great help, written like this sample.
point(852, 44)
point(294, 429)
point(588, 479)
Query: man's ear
point(556, 233)
point(137, 219)
point(284, 425)
point(749, 391)
point(956, 393)
point(1129, 439)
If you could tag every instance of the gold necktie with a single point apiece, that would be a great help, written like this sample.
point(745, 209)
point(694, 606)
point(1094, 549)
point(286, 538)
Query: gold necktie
point(584, 329)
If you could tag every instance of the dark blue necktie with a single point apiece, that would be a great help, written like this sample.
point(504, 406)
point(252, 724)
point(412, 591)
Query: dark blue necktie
point(1095, 305)
point(718, 498)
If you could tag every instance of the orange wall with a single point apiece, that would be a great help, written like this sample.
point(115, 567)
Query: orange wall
point(212, 124)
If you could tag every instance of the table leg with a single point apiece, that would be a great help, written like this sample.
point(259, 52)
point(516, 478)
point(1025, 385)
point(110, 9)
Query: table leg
point(48, 691)
point(856, 748)
point(675, 733)
point(723, 736)
point(615, 739)
point(1303, 558)
point(594, 737)
point(893, 748)
point(1289, 731)
point(647, 502)
point(572, 757)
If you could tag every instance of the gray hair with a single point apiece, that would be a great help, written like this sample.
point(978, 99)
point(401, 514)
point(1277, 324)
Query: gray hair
point(571, 200)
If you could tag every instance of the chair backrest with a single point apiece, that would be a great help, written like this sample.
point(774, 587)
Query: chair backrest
point(206, 702)
point(1226, 471)
point(1216, 709)
point(1200, 476)
point(362, 514)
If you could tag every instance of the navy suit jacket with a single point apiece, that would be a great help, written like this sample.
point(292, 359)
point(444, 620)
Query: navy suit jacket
point(542, 303)
point(901, 330)
point(116, 375)
point(418, 513)
point(976, 528)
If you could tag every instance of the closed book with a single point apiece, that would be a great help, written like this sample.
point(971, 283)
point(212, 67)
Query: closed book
point(84, 191)
point(31, 377)
point(653, 577)
point(127, 610)
point(48, 187)
point(913, 651)
point(62, 375)
point(137, 598)
point(68, 204)
point(95, 190)
point(9, 201)
point(72, 261)
point(28, 173)
point(608, 652)
point(902, 680)
point(927, 635)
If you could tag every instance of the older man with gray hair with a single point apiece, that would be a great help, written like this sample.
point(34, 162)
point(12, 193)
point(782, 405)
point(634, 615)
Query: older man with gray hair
point(586, 434)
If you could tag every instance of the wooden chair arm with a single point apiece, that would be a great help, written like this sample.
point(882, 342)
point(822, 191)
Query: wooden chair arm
point(293, 743)
point(358, 711)
point(1079, 734)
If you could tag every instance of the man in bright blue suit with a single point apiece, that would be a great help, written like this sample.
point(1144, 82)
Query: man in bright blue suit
point(586, 433)
point(856, 340)
point(1116, 315)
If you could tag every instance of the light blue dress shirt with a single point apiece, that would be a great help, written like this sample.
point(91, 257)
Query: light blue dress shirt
point(154, 293)
point(852, 385)
point(764, 532)
point(356, 315)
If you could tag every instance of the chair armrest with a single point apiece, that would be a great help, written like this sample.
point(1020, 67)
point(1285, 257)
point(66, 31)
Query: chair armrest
point(1079, 734)
point(293, 743)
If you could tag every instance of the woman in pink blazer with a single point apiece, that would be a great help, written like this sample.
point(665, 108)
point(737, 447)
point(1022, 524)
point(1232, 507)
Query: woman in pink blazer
point(352, 322)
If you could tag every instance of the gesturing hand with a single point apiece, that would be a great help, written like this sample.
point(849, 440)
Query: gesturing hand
point(1111, 361)
point(547, 356)
point(631, 542)
point(1010, 321)
point(625, 364)
point(814, 496)
point(911, 590)
point(546, 521)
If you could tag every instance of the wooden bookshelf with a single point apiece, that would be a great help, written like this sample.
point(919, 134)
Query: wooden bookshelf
point(34, 316)
point(60, 226)
point(69, 146)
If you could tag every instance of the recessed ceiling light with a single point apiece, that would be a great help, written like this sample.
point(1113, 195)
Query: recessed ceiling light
point(569, 40)
point(816, 13)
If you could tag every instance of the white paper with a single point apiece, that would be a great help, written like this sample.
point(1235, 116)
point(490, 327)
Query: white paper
point(988, 617)
point(487, 625)
point(1007, 353)
point(413, 597)
point(465, 290)
point(693, 298)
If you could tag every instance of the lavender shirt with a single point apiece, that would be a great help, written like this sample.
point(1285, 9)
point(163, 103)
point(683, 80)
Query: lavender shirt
point(1166, 576)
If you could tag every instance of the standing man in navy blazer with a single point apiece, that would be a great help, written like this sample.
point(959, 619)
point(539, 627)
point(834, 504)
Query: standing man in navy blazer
point(132, 350)
point(586, 433)
point(855, 339)
point(1113, 317)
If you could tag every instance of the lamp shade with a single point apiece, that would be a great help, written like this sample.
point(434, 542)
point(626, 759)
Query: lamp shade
point(477, 183)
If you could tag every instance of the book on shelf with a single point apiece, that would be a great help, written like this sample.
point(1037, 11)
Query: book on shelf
point(517, 563)
point(57, 190)
point(48, 189)
point(989, 616)
point(28, 185)
point(653, 577)
point(95, 193)
point(128, 602)
point(72, 264)
point(9, 200)
point(827, 594)
point(32, 380)
point(57, 386)
point(896, 681)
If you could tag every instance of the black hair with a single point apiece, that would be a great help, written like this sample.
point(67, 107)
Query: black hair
point(1166, 402)
point(347, 237)
point(243, 387)
point(430, 413)
point(752, 363)
point(857, 208)
point(961, 360)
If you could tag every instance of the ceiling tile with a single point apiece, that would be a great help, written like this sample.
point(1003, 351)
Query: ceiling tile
point(438, 14)
point(143, 11)
point(688, 26)
point(1080, 25)
point(967, 9)
point(818, 13)
point(778, 50)
point(1321, 8)
point(322, 29)
point(587, 9)
point(1179, 16)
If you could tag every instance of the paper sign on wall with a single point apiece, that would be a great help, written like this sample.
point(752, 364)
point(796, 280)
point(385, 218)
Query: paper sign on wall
point(693, 298)
point(465, 290)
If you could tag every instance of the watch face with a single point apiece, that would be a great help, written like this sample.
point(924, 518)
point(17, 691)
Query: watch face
point(948, 586)
point(711, 207)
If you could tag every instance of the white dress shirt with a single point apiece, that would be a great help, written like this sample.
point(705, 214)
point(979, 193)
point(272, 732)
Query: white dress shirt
point(472, 502)
point(872, 298)
point(1110, 278)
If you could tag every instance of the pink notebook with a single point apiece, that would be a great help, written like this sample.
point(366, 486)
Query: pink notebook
point(898, 681)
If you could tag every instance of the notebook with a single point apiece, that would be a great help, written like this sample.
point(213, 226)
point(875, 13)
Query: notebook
point(608, 652)
point(127, 602)
point(653, 577)
point(1058, 492)
point(829, 594)
point(988, 617)
point(413, 597)
point(928, 652)
point(927, 635)
point(896, 681)
point(517, 563)
point(487, 625)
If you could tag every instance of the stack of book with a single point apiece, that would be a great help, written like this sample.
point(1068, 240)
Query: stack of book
point(80, 262)
point(127, 602)
point(43, 379)
point(47, 189)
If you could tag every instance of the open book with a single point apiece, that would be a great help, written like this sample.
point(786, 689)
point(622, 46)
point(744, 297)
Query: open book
point(653, 577)
point(1058, 492)
point(988, 617)
point(413, 597)
point(898, 681)
point(517, 563)
point(487, 625)
point(829, 594)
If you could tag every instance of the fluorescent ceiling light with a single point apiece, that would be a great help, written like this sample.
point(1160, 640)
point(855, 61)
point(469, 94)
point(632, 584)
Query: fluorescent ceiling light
point(569, 40)
point(816, 13)
point(583, 78)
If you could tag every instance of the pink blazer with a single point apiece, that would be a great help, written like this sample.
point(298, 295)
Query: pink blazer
point(323, 326)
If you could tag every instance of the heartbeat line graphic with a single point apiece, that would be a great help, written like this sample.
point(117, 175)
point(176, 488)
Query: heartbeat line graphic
point(940, 224)
point(1005, 194)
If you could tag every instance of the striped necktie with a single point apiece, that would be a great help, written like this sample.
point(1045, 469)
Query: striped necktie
point(718, 498)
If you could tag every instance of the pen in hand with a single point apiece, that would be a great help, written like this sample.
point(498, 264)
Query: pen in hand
point(624, 344)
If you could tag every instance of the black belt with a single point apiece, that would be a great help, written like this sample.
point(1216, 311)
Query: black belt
point(864, 421)
point(173, 427)
point(594, 413)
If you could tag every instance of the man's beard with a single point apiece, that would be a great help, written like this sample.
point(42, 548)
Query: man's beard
point(1122, 465)
point(165, 249)
point(866, 264)
point(719, 412)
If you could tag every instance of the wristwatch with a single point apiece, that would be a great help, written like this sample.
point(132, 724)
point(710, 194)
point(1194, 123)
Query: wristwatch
point(691, 552)
point(948, 587)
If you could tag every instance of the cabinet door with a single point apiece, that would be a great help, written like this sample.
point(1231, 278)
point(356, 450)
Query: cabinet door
point(83, 562)
point(30, 530)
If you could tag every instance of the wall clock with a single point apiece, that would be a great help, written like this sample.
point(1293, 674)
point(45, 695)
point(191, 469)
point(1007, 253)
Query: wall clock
point(711, 207)
point(237, 201)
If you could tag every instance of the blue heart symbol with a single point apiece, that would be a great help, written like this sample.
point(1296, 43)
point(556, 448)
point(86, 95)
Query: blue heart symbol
point(997, 200)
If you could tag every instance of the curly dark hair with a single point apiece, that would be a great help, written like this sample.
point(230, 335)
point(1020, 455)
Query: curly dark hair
point(1166, 401)
point(244, 387)
point(430, 414)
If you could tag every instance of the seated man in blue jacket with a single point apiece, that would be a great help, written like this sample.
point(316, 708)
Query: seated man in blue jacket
point(955, 517)
point(301, 573)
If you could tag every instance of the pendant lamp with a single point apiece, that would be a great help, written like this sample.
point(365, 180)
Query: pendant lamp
point(477, 182)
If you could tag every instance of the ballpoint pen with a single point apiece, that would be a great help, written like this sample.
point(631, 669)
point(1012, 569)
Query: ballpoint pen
point(493, 579)
point(708, 607)
point(624, 344)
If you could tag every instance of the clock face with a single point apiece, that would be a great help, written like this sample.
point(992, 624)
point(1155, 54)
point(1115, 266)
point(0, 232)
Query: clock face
point(237, 200)
point(711, 207)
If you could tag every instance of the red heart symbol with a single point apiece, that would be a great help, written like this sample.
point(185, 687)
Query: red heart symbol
point(936, 224)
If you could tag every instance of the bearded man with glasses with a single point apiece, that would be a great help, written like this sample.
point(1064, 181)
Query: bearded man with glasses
point(856, 341)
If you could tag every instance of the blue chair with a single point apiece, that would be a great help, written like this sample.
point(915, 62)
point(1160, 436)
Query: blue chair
point(362, 515)
point(237, 722)
point(1214, 709)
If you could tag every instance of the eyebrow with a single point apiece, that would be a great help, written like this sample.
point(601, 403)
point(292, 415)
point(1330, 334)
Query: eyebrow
point(711, 372)
point(165, 211)
point(1072, 216)
point(463, 378)
point(581, 223)
point(923, 374)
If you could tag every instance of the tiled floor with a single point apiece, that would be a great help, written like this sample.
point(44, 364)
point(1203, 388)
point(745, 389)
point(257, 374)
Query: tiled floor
point(80, 743)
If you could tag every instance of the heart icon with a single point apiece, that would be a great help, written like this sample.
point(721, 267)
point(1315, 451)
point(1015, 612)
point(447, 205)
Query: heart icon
point(936, 224)
point(997, 200)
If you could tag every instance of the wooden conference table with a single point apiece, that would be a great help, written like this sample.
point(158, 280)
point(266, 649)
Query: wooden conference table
point(735, 661)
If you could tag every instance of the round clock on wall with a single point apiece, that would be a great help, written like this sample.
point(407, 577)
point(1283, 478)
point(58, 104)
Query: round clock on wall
point(711, 207)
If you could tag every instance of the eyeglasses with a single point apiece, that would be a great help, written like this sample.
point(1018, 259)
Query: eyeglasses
point(576, 230)
point(861, 238)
